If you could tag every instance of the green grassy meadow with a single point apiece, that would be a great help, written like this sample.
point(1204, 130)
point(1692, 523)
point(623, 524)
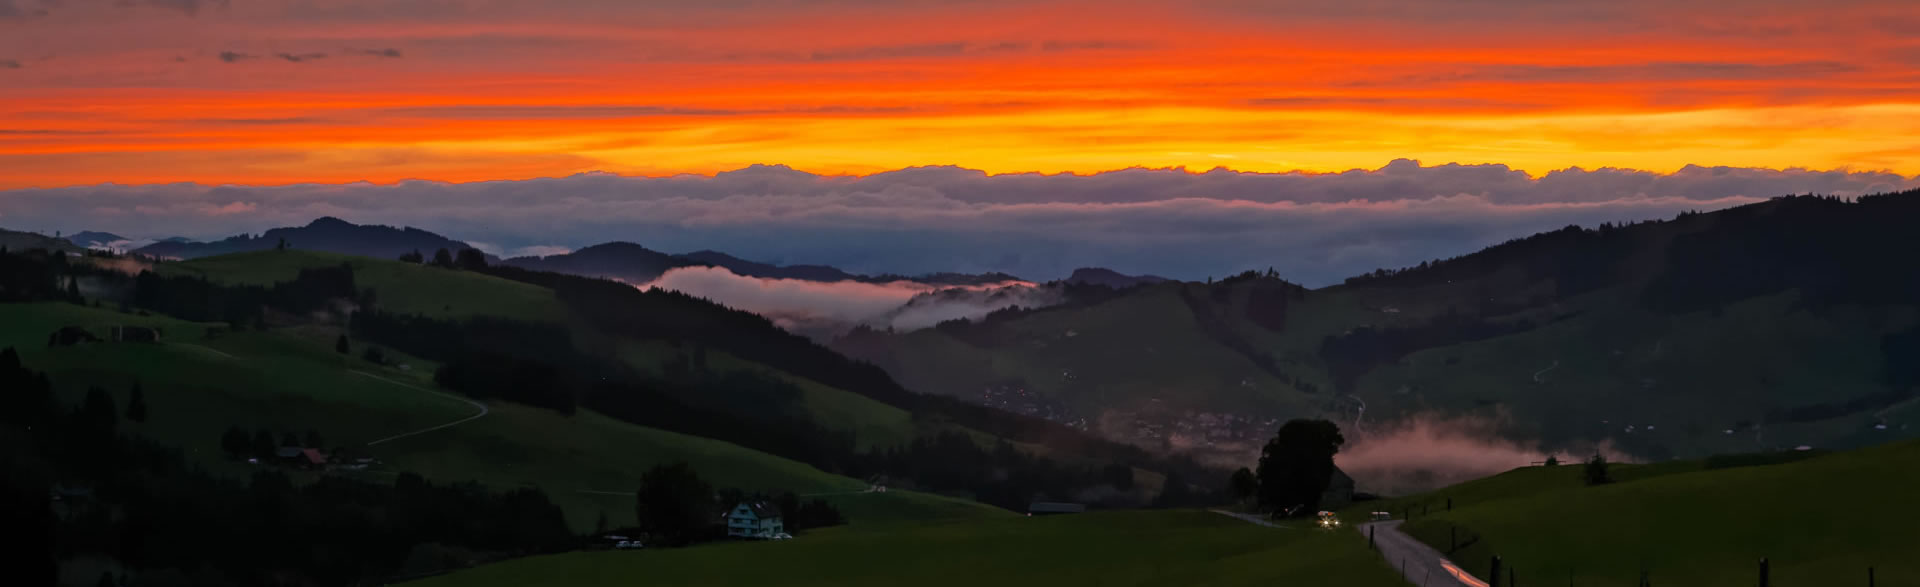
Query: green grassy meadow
point(1103, 548)
point(406, 288)
point(291, 379)
point(1820, 521)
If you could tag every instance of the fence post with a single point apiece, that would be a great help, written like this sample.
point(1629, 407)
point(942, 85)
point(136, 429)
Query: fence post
point(1869, 576)
point(1370, 544)
point(1494, 576)
point(1449, 504)
point(1511, 581)
point(1453, 539)
point(1763, 571)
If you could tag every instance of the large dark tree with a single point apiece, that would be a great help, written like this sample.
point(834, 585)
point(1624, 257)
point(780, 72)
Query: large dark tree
point(236, 443)
point(442, 258)
point(27, 520)
point(675, 506)
point(1596, 471)
point(1243, 485)
point(1297, 465)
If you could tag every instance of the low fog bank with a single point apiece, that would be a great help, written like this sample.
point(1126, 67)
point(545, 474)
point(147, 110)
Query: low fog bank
point(1427, 452)
point(824, 309)
point(952, 303)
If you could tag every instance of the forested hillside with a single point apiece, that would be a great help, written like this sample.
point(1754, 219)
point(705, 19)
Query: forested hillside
point(1784, 323)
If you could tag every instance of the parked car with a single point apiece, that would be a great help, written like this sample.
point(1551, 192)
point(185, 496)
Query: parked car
point(628, 544)
point(783, 536)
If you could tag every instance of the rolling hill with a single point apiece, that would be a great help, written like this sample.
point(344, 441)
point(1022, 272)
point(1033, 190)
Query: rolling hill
point(20, 241)
point(1774, 325)
point(1688, 523)
point(225, 368)
point(326, 234)
point(287, 380)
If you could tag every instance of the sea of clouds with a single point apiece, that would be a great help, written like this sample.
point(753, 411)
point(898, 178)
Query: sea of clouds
point(1314, 228)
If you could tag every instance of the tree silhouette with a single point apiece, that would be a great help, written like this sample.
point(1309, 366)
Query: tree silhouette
point(442, 258)
point(236, 443)
point(674, 505)
point(136, 404)
point(471, 260)
point(1297, 465)
point(342, 346)
point(1596, 473)
point(1243, 485)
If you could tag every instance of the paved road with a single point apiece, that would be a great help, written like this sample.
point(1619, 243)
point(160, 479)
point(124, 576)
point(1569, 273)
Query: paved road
point(476, 416)
point(1421, 564)
point(1538, 376)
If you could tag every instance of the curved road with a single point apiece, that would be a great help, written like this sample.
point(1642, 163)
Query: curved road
point(1419, 563)
point(1537, 375)
point(481, 406)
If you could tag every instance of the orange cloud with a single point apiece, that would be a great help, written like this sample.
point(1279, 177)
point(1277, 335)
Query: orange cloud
point(458, 91)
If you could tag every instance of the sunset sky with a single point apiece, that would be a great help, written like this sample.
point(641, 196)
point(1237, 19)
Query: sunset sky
point(1184, 138)
point(269, 92)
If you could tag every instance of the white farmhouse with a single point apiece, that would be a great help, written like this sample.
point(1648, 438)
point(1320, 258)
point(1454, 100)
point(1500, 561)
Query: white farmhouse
point(755, 520)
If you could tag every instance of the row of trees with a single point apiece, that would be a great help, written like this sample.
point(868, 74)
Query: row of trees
point(467, 259)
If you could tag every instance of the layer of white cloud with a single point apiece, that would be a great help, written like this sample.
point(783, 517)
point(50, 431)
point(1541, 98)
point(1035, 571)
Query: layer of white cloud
point(1314, 228)
point(825, 309)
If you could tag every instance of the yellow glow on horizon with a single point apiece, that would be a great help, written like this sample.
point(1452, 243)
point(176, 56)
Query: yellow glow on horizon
point(1081, 141)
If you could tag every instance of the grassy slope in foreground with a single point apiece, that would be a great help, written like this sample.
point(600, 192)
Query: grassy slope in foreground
point(453, 294)
point(1822, 521)
point(197, 388)
point(1107, 548)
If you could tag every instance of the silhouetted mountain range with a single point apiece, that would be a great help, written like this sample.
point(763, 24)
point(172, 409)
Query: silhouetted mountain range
point(1111, 278)
point(633, 263)
point(21, 241)
point(624, 261)
point(91, 238)
point(323, 234)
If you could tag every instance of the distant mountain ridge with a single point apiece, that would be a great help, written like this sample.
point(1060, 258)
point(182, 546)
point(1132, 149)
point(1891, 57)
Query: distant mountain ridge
point(92, 238)
point(21, 241)
point(619, 260)
point(1111, 278)
point(633, 263)
point(326, 234)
